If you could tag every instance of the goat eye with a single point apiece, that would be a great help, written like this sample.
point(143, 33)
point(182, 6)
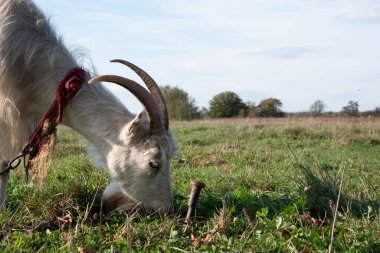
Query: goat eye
point(154, 165)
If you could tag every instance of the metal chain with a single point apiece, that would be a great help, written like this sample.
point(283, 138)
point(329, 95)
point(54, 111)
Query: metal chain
point(13, 164)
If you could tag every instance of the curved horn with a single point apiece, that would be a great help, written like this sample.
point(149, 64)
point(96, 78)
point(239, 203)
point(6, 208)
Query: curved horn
point(141, 94)
point(153, 88)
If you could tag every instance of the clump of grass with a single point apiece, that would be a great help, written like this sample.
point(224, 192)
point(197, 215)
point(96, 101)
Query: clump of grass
point(296, 132)
point(321, 192)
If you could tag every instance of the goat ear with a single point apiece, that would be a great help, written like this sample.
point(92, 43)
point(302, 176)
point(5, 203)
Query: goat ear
point(136, 124)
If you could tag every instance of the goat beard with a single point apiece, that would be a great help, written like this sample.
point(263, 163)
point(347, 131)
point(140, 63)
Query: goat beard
point(41, 163)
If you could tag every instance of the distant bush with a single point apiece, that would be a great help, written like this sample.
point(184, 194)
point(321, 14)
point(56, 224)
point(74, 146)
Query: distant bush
point(180, 105)
point(227, 104)
point(252, 109)
point(317, 108)
point(270, 107)
point(371, 113)
point(351, 109)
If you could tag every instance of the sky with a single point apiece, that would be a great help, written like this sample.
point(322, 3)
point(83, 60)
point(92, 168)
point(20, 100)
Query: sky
point(298, 51)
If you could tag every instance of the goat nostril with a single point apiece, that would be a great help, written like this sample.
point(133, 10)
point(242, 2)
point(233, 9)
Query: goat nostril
point(154, 165)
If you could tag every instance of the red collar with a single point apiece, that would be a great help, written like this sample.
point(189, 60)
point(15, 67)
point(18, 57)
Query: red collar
point(67, 89)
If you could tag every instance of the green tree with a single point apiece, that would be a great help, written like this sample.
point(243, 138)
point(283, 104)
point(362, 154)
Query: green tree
point(270, 107)
point(180, 105)
point(227, 104)
point(351, 109)
point(317, 108)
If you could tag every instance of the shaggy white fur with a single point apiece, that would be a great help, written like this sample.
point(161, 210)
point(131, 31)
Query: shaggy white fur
point(33, 60)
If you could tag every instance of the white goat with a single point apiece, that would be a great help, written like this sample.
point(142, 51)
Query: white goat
point(136, 149)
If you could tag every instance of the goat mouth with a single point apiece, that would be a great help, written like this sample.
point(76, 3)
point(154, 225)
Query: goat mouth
point(164, 210)
point(121, 202)
point(118, 202)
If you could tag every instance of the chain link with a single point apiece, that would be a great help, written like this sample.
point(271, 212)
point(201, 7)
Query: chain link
point(13, 164)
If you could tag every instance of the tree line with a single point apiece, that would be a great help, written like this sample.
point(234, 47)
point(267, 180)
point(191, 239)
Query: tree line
point(228, 104)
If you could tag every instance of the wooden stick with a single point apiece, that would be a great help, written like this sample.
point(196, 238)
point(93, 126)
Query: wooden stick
point(196, 187)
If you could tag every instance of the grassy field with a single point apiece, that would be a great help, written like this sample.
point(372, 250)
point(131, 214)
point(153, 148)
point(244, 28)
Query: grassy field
point(271, 186)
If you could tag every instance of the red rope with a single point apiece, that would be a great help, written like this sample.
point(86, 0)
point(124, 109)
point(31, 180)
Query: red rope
point(67, 89)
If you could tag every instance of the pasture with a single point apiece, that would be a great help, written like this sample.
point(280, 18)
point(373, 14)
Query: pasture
point(271, 186)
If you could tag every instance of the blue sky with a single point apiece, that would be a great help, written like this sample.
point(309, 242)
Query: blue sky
point(297, 51)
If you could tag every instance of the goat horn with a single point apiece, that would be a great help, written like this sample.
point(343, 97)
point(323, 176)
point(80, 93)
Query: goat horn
point(153, 88)
point(141, 94)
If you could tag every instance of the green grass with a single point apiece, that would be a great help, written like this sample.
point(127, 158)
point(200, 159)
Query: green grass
point(271, 186)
